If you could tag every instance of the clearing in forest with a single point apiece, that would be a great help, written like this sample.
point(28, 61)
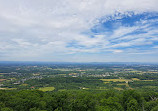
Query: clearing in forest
point(47, 89)
point(116, 80)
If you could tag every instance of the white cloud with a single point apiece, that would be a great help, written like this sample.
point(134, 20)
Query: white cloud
point(41, 28)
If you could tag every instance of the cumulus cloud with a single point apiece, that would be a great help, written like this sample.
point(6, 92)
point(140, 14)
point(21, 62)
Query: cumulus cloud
point(59, 30)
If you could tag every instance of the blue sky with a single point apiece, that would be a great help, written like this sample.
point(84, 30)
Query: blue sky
point(79, 31)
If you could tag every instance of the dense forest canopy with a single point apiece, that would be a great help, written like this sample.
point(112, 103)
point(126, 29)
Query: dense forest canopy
point(111, 100)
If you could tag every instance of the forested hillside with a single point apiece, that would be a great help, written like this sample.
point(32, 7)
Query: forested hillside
point(111, 100)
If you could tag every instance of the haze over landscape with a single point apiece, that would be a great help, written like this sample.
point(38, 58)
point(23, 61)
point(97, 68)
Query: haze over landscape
point(79, 30)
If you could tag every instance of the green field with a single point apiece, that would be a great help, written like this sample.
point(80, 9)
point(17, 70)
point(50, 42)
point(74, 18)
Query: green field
point(8, 88)
point(47, 89)
point(116, 80)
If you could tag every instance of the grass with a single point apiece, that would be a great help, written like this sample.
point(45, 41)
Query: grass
point(150, 87)
point(147, 80)
point(140, 73)
point(126, 84)
point(106, 82)
point(24, 85)
point(100, 89)
point(135, 79)
point(62, 74)
point(62, 90)
point(117, 88)
point(44, 89)
point(116, 80)
point(8, 88)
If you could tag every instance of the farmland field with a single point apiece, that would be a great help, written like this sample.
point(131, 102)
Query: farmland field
point(47, 89)
point(116, 80)
point(8, 88)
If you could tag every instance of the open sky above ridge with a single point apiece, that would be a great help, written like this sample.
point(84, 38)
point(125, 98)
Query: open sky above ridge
point(79, 30)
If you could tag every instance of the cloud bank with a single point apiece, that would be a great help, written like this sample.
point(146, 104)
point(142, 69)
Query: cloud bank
point(79, 31)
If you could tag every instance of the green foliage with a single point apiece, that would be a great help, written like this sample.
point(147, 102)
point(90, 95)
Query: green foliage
point(6, 109)
point(149, 105)
point(67, 83)
point(132, 100)
point(132, 105)
point(111, 104)
point(110, 100)
point(155, 108)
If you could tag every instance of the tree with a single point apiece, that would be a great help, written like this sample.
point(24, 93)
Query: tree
point(155, 108)
point(132, 105)
point(110, 104)
point(6, 109)
point(131, 97)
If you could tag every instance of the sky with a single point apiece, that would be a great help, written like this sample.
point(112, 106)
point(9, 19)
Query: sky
point(79, 30)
